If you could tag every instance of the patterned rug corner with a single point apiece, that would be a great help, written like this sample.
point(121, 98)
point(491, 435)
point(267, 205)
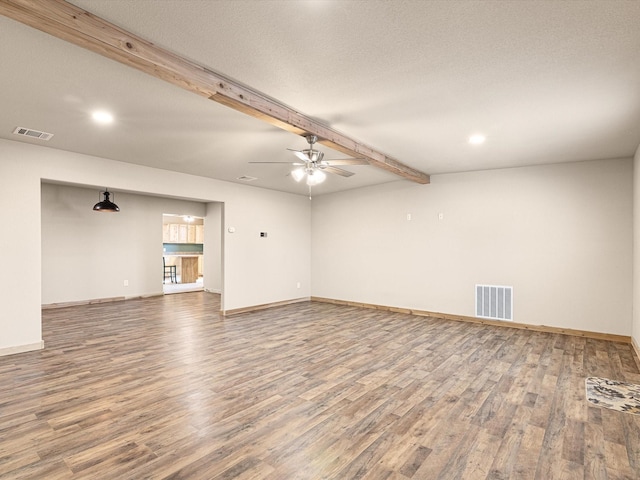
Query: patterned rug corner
point(619, 396)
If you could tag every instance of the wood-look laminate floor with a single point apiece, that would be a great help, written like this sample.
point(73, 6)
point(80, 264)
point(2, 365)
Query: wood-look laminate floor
point(165, 388)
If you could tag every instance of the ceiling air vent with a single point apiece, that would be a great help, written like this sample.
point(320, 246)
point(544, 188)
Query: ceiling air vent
point(28, 132)
point(247, 178)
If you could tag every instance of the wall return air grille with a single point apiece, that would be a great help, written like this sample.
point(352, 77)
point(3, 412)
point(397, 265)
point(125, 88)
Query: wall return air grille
point(495, 302)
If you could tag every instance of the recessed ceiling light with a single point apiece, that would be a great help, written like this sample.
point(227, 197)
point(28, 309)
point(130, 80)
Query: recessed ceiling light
point(101, 116)
point(477, 139)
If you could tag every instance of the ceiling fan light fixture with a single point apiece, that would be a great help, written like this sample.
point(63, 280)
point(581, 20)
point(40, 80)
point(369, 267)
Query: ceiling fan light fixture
point(315, 177)
point(106, 205)
point(312, 166)
point(298, 174)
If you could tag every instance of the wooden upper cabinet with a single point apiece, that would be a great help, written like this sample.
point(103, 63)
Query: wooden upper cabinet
point(182, 233)
point(174, 233)
point(191, 234)
point(184, 229)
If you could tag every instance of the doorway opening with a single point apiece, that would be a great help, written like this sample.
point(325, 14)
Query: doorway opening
point(182, 253)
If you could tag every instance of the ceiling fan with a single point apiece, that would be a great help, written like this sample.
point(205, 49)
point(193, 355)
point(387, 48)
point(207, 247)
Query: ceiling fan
point(313, 166)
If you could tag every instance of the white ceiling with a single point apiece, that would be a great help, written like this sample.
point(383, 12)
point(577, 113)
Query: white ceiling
point(546, 82)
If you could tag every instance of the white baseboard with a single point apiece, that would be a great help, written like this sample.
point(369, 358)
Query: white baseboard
point(22, 348)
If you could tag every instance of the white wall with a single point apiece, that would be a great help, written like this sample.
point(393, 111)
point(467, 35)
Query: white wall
point(213, 247)
point(20, 327)
point(88, 255)
point(251, 276)
point(636, 249)
point(561, 235)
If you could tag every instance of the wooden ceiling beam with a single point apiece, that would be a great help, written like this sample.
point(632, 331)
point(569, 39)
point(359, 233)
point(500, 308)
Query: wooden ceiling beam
point(75, 25)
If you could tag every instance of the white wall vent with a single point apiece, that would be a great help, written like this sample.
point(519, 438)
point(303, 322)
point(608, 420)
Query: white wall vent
point(28, 132)
point(494, 301)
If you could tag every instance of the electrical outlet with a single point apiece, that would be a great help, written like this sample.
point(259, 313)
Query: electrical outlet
point(298, 285)
point(408, 217)
point(126, 283)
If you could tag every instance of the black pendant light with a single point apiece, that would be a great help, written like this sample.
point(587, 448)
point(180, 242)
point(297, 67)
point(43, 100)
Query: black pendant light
point(106, 205)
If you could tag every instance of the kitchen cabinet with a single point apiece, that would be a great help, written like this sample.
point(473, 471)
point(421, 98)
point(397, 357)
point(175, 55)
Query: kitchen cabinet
point(174, 233)
point(189, 273)
point(182, 233)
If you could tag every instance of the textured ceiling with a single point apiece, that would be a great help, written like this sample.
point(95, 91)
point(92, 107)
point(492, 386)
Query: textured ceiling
point(546, 82)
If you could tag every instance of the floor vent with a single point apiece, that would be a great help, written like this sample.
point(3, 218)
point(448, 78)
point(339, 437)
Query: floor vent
point(493, 301)
point(28, 132)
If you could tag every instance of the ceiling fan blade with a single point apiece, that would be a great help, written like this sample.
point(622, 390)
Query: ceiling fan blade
point(348, 161)
point(299, 153)
point(338, 171)
point(301, 156)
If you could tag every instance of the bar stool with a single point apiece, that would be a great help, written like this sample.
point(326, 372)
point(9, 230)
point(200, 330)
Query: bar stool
point(169, 272)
